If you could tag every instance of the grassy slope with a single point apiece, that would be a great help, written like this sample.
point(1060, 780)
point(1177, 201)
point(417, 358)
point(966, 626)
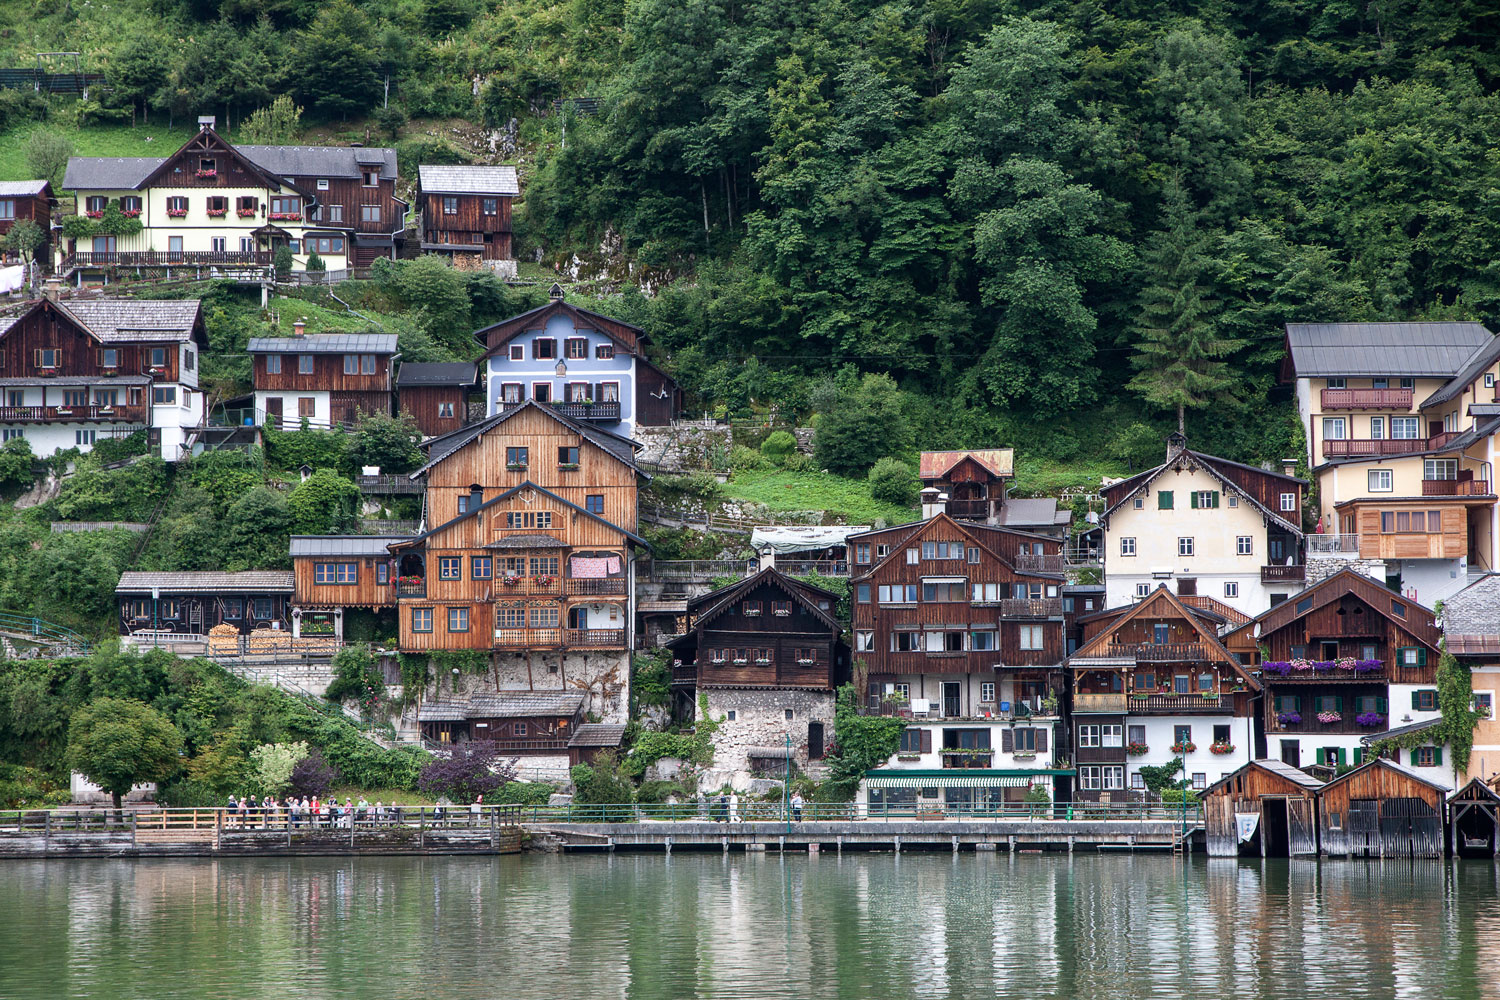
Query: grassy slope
point(93, 140)
point(781, 490)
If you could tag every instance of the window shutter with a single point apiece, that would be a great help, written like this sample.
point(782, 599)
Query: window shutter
point(1163, 499)
point(1437, 756)
point(1215, 503)
point(36, 357)
point(1414, 703)
point(1276, 704)
point(926, 742)
point(1193, 500)
point(1380, 705)
point(1421, 656)
point(1338, 703)
point(1359, 756)
point(1342, 759)
point(1296, 703)
point(1320, 755)
point(1041, 741)
point(1007, 741)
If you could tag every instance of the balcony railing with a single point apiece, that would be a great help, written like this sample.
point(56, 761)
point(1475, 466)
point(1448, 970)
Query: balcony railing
point(1113, 703)
point(1180, 704)
point(972, 509)
point(1455, 487)
point(1367, 399)
point(598, 638)
point(1032, 562)
point(168, 258)
point(64, 414)
point(535, 745)
point(1364, 447)
point(970, 759)
point(579, 411)
point(684, 673)
point(527, 638)
point(531, 586)
point(603, 585)
point(1333, 544)
point(806, 567)
point(1283, 574)
point(1025, 607)
point(412, 588)
point(1165, 652)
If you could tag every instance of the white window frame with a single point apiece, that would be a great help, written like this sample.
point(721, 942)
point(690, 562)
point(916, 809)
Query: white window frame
point(1335, 428)
point(1234, 501)
point(1033, 638)
point(1377, 428)
point(1380, 481)
point(1337, 383)
point(1231, 588)
point(987, 692)
point(1439, 468)
point(1127, 546)
point(1244, 545)
point(1288, 503)
point(1139, 503)
point(1185, 546)
point(1406, 428)
point(1489, 380)
point(1142, 590)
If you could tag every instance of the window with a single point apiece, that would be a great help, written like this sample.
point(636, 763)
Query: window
point(987, 692)
point(1137, 781)
point(336, 573)
point(481, 567)
point(351, 364)
point(448, 567)
point(1143, 590)
point(246, 205)
point(594, 504)
point(109, 357)
point(578, 392)
point(544, 349)
point(515, 458)
point(369, 213)
point(421, 619)
point(1161, 634)
point(458, 619)
point(576, 347)
point(1200, 780)
point(1335, 429)
point(942, 550)
point(862, 552)
point(307, 406)
point(943, 593)
point(1404, 428)
point(544, 617)
point(95, 204)
point(604, 352)
point(1139, 503)
point(1288, 502)
point(1231, 588)
point(1381, 481)
point(1032, 637)
point(1127, 546)
point(12, 434)
point(325, 244)
point(48, 358)
point(304, 364)
point(177, 206)
point(1205, 499)
point(450, 205)
point(7, 208)
point(1489, 380)
point(84, 437)
point(982, 642)
point(900, 593)
point(490, 206)
point(906, 641)
point(912, 557)
point(750, 609)
point(1182, 735)
point(382, 573)
point(567, 456)
point(529, 519)
point(1184, 546)
point(862, 593)
point(371, 176)
point(445, 410)
point(1424, 700)
point(1244, 545)
point(512, 392)
point(169, 608)
point(164, 395)
point(518, 352)
point(1336, 383)
point(287, 206)
point(1101, 777)
point(1377, 428)
point(1440, 468)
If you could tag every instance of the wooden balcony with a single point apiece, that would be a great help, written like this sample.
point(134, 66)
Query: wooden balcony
point(1180, 704)
point(1283, 574)
point(685, 674)
point(1165, 652)
point(1455, 487)
point(1367, 447)
point(1031, 562)
point(387, 484)
point(1024, 607)
point(528, 638)
point(528, 586)
point(547, 745)
point(1367, 399)
point(579, 411)
point(1113, 704)
point(601, 586)
point(167, 258)
point(594, 638)
point(416, 588)
point(973, 510)
point(123, 414)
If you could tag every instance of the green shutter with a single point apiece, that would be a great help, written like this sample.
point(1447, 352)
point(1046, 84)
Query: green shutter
point(1437, 756)
point(1320, 755)
point(1359, 756)
point(1380, 706)
point(1193, 499)
point(1338, 703)
point(1421, 656)
point(1215, 503)
point(1414, 699)
point(1296, 703)
point(1163, 499)
point(1342, 759)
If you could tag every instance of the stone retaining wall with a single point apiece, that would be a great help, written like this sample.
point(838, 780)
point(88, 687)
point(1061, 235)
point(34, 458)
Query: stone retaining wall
point(760, 721)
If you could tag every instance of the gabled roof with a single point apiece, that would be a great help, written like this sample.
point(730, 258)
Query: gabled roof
point(22, 189)
point(321, 161)
point(713, 604)
point(325, 343)
point(441, 447)
point(1431, 781)
point(1279, 768)
point(997, 462)
point(1215, 467)
point(1475, 790)
point(109, 173)
point(407, 541)
point(1020, 511)
point(1483, 357)
point(414, 374)
point(1474, 610)
point(598, 734)
point(1207, 614)
point(1232, 616)
point(343, 545)
point(210, 581)
point(1150, 607)
point(467, 180)
point(522, 704)
point(126, 321)
point(1371, 739)
point(495, 336)
point(1418, 620)
point(1421, 349)
point(983, 534)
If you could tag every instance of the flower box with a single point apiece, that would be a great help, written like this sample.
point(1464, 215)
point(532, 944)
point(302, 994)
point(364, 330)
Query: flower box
point(1370, 719)
point(514, 467)
point(204, 175)
point(1329, 718)
point(131, 213)
point(286, 216)
point(217, 213)
point(245, 213)
point(1184, 747)
point(1137, 749)
point(969, 751)
point(64, 411)
point(762, 659)
point(1288, 719)
point(176, 213)
point(1025, 755)
point(739, 660)
point(94, 215)
point(1221, 748)
point(908, 756)
point(569, 466)
point(543, 580)
point(510, 581)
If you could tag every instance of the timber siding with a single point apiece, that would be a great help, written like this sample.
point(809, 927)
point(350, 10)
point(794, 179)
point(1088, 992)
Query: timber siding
point(1382, 810)
point(1245, 792)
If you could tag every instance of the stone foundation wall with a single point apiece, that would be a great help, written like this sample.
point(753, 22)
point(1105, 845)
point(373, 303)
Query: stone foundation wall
point(1321, 567)
point(684, 447)
point(602, 678)
point(760, 721)
point(553, 768)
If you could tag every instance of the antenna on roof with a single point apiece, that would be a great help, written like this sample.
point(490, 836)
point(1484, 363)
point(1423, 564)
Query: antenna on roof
point(555, 293)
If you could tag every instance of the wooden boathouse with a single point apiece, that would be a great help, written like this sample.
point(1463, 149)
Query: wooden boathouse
point(1474, 821)
point(1267, 807)
point(1383, 809)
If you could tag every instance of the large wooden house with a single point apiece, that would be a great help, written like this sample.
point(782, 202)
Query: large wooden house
point(766, 654)
point(466, 209)
point(214, 204)
point(28, 200)
point(334, 574)
point(191, 603)
point(1152, 683)
point(1342, 661)
point(435, 394)
point(322, 380)
point(585, 365)
point(72, 373)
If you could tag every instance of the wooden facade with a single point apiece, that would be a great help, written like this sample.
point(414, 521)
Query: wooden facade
point(1386, 530)
point(355, 571)
point(28, 200)
point(519, 723)
point(1284, 802)
point(975, 482)
point(49, 327)
point(435, 395)
point(1381, 809)
point(351, 393)
point(1474, 821)
point(768, 631)
point(193, 603)
point(467, 227)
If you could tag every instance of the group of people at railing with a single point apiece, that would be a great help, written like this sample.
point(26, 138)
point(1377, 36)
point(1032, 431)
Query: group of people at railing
point(265, 813)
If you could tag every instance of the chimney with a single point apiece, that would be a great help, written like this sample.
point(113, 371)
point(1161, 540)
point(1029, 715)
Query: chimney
point(476, 496)
point(205, 122)
point(767, 558)
point(299, 328)
point(1289, 466)
point(1176, 445)
point(934, 502)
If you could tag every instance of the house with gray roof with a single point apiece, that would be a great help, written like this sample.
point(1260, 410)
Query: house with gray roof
point(215, 206)
point(436, 394)
point(1400, 420)
point(466, 210)
point(191, 603)
point(321, 380)
point(22, 200)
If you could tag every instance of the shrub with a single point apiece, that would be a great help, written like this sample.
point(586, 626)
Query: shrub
point(313, 775)
point(741, 457)
point(386, 441)
point(316, 264)
point(274, 764)
point(602, 781)
point(470, 770)
point(283, 260)
point(893, 481)
point(355, 676)
point(653, 792)
point(524, 793)
point(778, 445)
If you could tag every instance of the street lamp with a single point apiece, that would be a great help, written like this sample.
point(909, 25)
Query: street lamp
point(155, 631)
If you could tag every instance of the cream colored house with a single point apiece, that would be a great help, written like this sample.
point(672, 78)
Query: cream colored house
point(215, 205)
point(1203, 526)
point(1400, 421)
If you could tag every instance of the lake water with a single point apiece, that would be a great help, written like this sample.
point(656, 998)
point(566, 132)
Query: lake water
point(645, 926)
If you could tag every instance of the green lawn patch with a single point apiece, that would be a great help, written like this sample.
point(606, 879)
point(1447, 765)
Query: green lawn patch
point(92, 140)
point(847, 499)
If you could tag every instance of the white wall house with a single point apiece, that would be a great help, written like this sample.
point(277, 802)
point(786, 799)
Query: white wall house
point(974, 766)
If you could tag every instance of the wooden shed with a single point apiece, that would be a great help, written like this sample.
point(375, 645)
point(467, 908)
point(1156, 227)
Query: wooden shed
point(1267, 807)
point(1474, 820)
point(1383, 809)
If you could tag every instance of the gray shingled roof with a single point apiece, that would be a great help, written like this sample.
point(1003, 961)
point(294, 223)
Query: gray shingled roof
point(325, 343)
point(442, 711)
point(597, 734)
point(521, 704)
point(342, 545)
point(1411, 349)
point(1022, 511)
point(439, 448)
point(15, 189)
point(115, 173)
point(1474, 610)
point(66, 380)
point(252, 580)
point(420, 373)
point(129, 320)
point(320, 161)
point(467, 180)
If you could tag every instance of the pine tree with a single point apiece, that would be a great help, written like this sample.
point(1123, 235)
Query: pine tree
point(1181, 355)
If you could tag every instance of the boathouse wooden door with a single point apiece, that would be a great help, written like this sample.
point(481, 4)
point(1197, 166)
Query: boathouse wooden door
point(1363, 836)
point(1302, 836)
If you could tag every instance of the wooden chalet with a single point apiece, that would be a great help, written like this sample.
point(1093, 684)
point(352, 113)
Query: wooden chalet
point(334, 573)
point(191, 603)
point(1339, 662)
point(436, 395)
point(520, 723)
point(1151, 683)
point(466, 209)
point(1266, 808)
point(324, 380)
point(1474, 820)
point(766, 631)
point(33, 200)
point(976, 484)
point(1383, 809)
point(947, 618)
point(593, 738)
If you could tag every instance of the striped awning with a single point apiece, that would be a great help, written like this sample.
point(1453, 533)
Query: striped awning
point(956, 781)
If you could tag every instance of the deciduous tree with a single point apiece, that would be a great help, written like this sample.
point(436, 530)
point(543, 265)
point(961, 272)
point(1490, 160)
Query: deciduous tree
point(117, 743)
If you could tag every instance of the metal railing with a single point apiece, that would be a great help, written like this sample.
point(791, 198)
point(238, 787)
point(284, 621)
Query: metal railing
point(692, 570)
point(1332, 543)
point(805, 567)
point(42, 632)
point(387, 484)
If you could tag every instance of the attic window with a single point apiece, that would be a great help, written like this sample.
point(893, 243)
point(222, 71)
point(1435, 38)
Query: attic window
point(322, 183)
point(1304, 605)
point(372, 178)
point(208, 167)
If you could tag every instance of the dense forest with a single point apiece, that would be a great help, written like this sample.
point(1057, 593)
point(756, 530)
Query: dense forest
point(1063, 223)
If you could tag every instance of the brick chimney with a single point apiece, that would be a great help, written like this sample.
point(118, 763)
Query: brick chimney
point(299, 328)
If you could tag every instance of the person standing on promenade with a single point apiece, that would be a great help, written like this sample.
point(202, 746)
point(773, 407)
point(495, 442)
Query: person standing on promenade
point(313, 815)
point(797, 807)
point(476, 809)
point(234, 806)
point(734, 806)
point(364, 809)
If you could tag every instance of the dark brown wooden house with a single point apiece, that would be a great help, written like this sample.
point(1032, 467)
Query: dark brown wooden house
point(193, 603)
point(322, 380)
point(1278, 805)
point(21, 200)
point(466, 209)
point(1383, 809)
point(593, 738)
point(976, 484)
point(522, 723)
point(435, 394)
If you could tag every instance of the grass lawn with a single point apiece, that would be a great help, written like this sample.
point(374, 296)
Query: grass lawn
point(93, 140)
point(846, 498)
point(1040, 477)
point(332, 318)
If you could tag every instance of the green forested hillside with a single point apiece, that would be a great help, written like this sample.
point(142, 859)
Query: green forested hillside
point(1053, 223)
